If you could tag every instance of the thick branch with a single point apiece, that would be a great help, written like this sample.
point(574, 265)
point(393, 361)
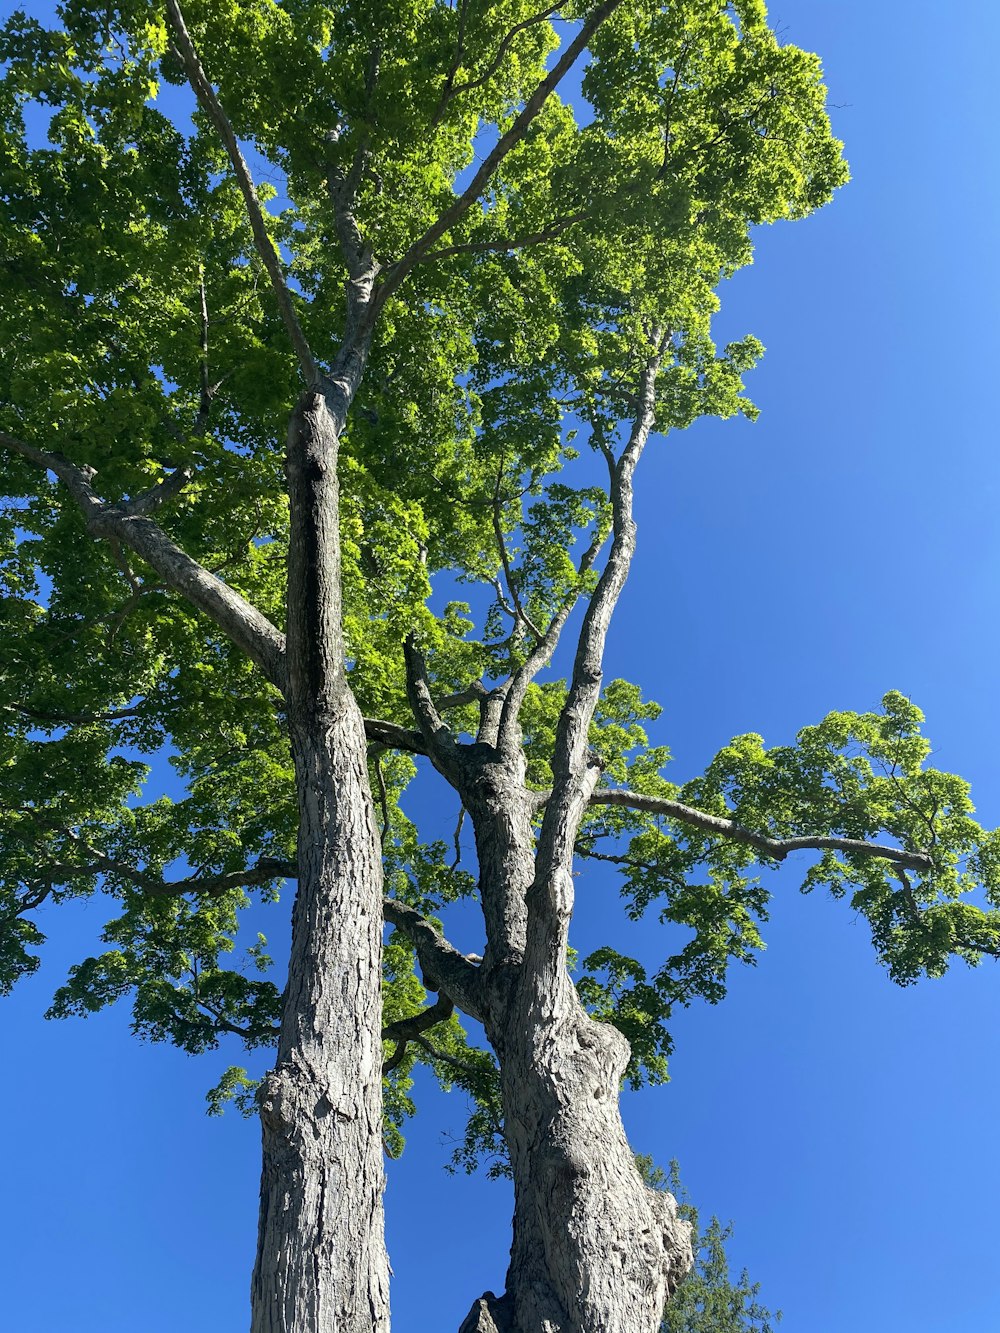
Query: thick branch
point(773, 849)
point(475, 693)
point(444, 968)
point(541, 654)
point(507, 141)
point(573, 776)
point(209, 101)
point(167, 489)
point(242, 622)
point(405, 1029)
point(394, 737)
point(439, 742)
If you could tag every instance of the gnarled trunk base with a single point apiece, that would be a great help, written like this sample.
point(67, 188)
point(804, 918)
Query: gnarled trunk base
point(595, 1249)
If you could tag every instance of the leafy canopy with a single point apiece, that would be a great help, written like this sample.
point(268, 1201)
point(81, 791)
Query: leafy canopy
point(141, 337)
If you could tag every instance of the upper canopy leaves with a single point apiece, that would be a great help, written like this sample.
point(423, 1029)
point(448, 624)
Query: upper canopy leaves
point(143, 341)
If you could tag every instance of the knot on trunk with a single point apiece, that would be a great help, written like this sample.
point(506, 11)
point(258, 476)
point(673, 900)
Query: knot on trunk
point(610, 1051)
point(678, 1255)
point(275, 1098)
point(289, 1099)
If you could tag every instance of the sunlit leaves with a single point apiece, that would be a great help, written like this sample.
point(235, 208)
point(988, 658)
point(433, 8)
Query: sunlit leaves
point(140, 336)
point(860, 776)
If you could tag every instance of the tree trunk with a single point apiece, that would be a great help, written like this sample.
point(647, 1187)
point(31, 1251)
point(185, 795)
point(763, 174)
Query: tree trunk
point(321, 1261)
point(595, 1249)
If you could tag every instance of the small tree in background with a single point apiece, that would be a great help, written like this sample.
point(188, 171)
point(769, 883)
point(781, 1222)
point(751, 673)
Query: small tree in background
point(708, 1300)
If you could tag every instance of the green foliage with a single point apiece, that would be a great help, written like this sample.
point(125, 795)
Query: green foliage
point(855, 775)
point(708, 1300)
point(140, 335)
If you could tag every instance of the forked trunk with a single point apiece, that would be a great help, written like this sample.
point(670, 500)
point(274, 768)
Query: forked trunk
point(321, 1262)
point(595, 1249)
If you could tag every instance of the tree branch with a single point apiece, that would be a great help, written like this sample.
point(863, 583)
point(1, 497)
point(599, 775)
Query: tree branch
point(208, 886)
point(475, 693)
point(248, 628)
point(439, 742)
point(209, 101)
point(452, 90)
point(394, 737)
point(147, 502)
point(443, 967)
point(570, 766)
point(73, 719)
point(405, 1030)
point(549, 233)
point(541, 654)
point(773, 849)
point(575, 775)
point(518, 611)
point(507, 141)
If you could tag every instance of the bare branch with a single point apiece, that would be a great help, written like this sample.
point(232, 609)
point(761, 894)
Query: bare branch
point(507, 141)
point(773, 849)
point(209, 101)
point(394, 737)
point(248, 628)
point(443, 967)
point(440, 743)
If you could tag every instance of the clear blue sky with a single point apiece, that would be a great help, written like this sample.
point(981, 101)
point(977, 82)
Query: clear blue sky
point(845, 544)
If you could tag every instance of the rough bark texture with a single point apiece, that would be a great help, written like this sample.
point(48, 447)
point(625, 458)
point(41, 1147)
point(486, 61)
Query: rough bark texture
point(321, 1262)
point(595, 1250)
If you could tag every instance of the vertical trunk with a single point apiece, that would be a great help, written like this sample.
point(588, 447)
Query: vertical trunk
point(321, 1263)
point(595, 1250)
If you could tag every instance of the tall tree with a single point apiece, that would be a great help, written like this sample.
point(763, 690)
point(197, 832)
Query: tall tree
point(466, 308)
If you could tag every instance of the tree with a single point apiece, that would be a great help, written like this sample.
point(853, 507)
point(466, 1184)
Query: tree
point(487, 301)
point(707, 1300)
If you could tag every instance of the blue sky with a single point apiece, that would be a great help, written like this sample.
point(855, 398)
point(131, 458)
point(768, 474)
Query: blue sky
point(843, 545)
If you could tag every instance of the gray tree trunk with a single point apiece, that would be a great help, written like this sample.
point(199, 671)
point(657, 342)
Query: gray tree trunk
point(321, 1262)
point(595, 1250)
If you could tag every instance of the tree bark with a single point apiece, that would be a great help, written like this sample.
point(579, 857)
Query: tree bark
point(321, 1262)
point(595, 1249)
